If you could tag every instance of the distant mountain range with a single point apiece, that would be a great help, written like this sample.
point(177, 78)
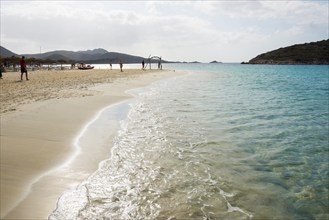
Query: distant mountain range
point(89, 56)
point(308, 53)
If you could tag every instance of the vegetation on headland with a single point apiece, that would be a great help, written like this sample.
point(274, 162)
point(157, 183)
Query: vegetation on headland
point(314, 53)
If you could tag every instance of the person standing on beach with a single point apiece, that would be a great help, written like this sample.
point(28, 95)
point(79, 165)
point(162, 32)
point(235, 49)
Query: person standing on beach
point(143, 64)
point(23, 68)
point(121, 65)
point(2, 69)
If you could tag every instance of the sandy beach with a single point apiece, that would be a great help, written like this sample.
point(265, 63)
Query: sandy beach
point(40, 121)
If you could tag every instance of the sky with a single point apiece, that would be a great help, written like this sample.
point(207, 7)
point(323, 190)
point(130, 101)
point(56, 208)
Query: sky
point(226, 31)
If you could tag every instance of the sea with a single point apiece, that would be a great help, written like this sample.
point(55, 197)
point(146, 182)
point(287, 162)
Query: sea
point(223, 141)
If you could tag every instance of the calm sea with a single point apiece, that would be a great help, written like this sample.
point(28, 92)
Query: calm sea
point(225, 141)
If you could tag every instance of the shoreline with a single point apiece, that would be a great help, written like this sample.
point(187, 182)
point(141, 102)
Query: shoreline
point(38, 142)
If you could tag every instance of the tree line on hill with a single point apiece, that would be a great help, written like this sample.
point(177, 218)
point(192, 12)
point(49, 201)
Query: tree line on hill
point(13, 62)
point(61, 57)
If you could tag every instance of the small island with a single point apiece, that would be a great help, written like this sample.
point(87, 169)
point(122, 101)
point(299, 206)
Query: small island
point(315, 53)
point(215, 61)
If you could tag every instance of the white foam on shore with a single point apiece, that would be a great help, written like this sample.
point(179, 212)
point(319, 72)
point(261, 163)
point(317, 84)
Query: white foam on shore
point(83, 131)
point(70, 160)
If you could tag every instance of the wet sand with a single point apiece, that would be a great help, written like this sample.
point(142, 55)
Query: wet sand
point(40, 122)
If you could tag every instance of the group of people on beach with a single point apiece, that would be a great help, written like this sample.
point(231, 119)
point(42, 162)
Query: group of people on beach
point(159, 65)
point(121, 65)
point(22, 63)
point(23, 66)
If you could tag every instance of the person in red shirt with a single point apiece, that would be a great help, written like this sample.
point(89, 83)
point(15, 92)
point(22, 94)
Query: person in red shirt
point(23, 68)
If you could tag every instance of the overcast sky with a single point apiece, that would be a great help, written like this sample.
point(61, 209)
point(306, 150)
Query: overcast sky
point(227, 31)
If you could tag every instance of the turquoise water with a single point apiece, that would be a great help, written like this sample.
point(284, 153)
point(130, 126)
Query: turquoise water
point(225, 141)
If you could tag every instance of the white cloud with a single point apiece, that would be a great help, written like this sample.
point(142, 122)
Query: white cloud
point(182, 30)
point(298, 11)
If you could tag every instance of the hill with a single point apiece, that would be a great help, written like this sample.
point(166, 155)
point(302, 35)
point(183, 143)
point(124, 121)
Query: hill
point(6, 53)
point(308, 53)
point(88, 56)
point(96, 56)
